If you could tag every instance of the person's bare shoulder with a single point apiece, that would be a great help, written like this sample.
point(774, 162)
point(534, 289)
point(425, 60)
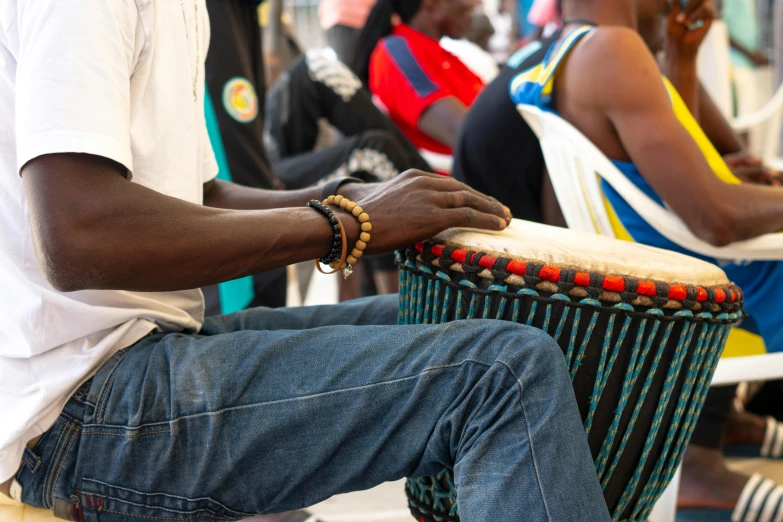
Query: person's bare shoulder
point(611, 68)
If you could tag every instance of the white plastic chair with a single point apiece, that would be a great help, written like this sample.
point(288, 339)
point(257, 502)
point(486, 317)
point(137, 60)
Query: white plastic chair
point(714, 67)
point(575, 167)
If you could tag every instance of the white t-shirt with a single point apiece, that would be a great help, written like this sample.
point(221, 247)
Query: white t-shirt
point(113, 79)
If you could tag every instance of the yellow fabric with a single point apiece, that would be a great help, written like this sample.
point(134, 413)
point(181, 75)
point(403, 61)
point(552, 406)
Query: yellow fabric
point(12, 511)
point(529, 76)
point(617, 226)
point(709, 151)
point(743, 343)
point(543, 74)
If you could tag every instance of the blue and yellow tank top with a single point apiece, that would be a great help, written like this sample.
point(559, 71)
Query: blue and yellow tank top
point(535, 86)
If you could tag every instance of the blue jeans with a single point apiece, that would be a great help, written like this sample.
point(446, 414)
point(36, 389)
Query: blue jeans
point(266, 411)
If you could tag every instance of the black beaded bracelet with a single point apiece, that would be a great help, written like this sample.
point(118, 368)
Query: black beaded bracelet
point(334, 254)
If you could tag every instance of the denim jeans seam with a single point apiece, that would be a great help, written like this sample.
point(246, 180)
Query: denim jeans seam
point(103, 395)
point(175, 511)
point(290, 399)
point(57, 464)
point(179, 497)
point(125, 435)
point(529, 438)
point(60, 444)
point(164, 518)
point(102, 401)
point(53, 485)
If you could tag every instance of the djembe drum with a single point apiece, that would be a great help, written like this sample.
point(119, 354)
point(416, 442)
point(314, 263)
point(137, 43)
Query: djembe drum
point(641, 329)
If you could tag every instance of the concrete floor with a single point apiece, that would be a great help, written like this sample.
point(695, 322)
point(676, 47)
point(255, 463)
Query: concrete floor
point(385, 503)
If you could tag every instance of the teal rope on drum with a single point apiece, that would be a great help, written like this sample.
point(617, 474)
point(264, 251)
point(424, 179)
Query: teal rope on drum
point(605, 367)
point(564, 317)
point(639, 368)
point(446, 298)
point(668, 388)
point(716, 338)
point(638, 358)
point(655, 484)
point(640, 401)
point(501, 289)
point(574, 366)
point(472, 305)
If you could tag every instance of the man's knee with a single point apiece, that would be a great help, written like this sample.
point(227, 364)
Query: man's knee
point(515, 345)
point(525, 350)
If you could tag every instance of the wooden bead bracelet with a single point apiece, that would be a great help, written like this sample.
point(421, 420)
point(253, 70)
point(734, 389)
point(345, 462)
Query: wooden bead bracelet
point(364, 236)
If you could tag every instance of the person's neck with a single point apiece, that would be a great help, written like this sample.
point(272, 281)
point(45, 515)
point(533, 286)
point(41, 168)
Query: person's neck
point(425, 26)
point(618, 13)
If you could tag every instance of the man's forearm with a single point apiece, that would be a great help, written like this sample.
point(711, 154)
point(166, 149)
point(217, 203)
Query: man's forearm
point(115, 234)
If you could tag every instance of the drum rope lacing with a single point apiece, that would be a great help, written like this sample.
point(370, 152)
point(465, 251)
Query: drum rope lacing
point(431, 302)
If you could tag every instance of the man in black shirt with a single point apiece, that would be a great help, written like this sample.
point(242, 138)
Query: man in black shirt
point(498, 154)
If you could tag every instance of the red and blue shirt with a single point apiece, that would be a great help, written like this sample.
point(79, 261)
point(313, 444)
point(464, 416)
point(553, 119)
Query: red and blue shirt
point(409, 72)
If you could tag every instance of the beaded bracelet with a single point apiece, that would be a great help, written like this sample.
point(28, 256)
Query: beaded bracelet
point(337, 238)
point(364, 236)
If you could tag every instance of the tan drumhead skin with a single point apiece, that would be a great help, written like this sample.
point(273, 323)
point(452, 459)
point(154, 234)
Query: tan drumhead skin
point(585, 252)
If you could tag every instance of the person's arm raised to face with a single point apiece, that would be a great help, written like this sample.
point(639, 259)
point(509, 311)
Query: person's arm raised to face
point(443, 119)
point(94, 229)
point(622, 105)
point(686, 29)
point(680, 51)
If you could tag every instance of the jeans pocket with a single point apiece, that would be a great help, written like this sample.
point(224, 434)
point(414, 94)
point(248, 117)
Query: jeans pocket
point(103, 502)
point(101, 387)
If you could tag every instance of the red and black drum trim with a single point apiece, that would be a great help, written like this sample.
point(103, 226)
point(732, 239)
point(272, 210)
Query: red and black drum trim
point(659, 294)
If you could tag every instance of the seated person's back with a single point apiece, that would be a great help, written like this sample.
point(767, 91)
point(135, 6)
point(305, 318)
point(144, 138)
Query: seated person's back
point(497, 153)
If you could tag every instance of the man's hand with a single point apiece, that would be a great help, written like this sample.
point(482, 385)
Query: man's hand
point(698, 15)
point(752, 170)
point(416, 206)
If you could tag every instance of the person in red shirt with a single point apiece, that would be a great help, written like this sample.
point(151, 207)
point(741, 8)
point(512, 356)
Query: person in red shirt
point(426, 90)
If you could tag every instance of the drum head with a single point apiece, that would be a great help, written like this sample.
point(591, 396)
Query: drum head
point(583, 251)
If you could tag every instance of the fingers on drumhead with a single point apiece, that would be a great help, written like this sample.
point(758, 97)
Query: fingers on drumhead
point(472, 218)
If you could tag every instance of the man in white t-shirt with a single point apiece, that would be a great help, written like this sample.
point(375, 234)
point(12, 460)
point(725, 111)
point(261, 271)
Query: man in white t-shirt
point(119, 401)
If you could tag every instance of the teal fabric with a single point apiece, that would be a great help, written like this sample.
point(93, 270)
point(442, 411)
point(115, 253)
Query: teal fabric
point(742, 21)
point(235, 295)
